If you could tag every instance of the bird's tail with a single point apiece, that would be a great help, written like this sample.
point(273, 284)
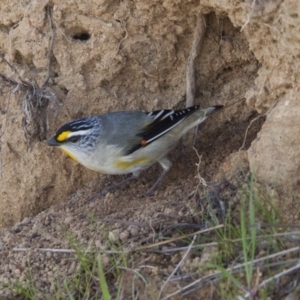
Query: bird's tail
point(213, 109)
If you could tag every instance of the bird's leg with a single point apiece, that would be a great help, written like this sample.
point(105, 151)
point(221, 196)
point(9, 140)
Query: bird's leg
point(134, 175)
point(166, 165)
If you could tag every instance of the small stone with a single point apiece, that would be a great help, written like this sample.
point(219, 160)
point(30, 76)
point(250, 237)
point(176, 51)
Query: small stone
point(168, 211)
point(26, 221)
point(68, 220)
point(17, 272)
point(105, 260)
point(124, 235)
point(134, 231)
point(112, 236)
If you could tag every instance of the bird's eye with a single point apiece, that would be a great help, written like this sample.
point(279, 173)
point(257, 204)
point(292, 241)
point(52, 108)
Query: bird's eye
point(74, 139)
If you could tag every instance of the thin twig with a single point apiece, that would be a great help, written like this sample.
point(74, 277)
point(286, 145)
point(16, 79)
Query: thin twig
point(248, 127)
point(255, 119)
point(202, 181)
point(123, 23)
point(61, 31)
point(179, 238)
point(177, 267)
point(249, 15)
point(13, 69)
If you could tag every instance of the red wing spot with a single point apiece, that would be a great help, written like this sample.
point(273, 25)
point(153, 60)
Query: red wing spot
point(143, 142)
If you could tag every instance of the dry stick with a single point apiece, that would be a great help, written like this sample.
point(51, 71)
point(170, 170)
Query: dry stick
point(190, 68)
point(264, 267)
point(3, 130)
point(50, 48)
point(214, 244)
point(277, 276)
point(63, 250)
point(116, 252)
point(236, 267)
point(179, 238)
point(177, 267)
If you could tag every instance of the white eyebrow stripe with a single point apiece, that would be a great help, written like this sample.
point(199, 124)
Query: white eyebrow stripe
point(80, 132)
point(83, 126)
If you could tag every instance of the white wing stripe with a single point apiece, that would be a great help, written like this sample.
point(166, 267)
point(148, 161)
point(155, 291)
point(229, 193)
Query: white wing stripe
point(159, 114)
point(157, 136)
point(168, 114)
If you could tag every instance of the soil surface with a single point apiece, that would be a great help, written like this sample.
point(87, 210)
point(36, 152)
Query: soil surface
point(124, 55)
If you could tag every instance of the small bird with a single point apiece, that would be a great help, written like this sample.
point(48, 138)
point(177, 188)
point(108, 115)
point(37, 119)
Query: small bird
point(128, 141)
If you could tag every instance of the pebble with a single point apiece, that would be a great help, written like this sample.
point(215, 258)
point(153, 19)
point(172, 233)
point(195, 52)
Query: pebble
point(124, 235)
point(49, 254)
point(17, 272)
point(134, 231)
point(112, 236)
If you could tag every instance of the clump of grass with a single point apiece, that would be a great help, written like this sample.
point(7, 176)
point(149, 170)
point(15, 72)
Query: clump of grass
point(257, 257)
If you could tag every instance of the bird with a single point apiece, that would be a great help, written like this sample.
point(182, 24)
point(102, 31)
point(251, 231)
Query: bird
point(125, 142)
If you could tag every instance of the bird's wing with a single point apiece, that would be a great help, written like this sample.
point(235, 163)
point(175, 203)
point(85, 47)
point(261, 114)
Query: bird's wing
point(162, 122)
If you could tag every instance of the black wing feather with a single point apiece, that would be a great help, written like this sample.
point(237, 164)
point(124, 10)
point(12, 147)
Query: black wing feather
point(164, 121)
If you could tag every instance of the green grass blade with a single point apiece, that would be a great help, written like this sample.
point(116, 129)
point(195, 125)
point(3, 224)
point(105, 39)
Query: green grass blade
point(102, 279)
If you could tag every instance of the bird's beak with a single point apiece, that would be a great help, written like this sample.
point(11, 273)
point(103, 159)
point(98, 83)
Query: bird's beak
point(52, 142)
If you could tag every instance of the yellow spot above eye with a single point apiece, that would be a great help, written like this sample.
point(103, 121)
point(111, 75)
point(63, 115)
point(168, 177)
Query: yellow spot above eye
point(124, 165)
point(69, 153)
point(63, 136)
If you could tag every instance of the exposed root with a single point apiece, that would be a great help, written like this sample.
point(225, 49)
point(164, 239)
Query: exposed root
point(255, 119)
point(123, 23)
point(249, 16)
point(36, 99)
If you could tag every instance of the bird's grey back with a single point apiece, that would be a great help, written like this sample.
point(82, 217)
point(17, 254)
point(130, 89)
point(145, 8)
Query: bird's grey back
point(122, 128)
